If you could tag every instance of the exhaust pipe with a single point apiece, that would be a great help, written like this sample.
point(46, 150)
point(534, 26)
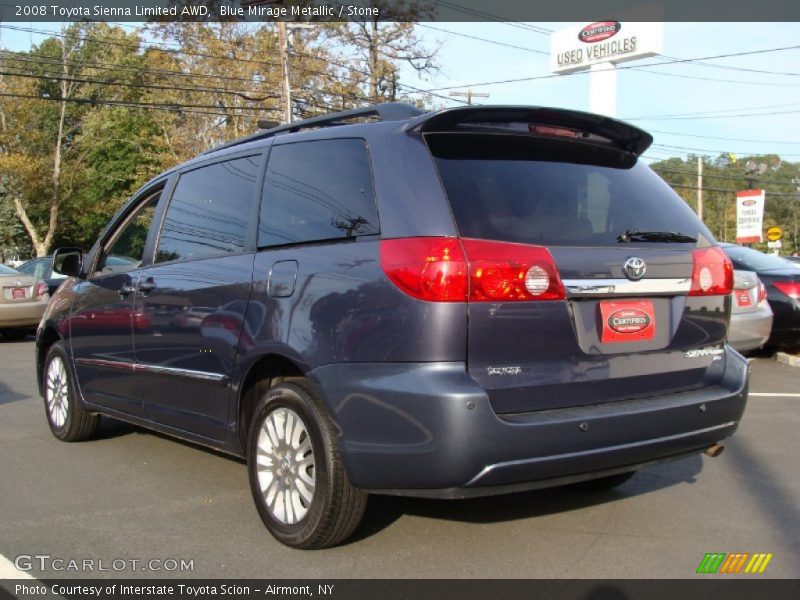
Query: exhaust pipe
point(714, 450)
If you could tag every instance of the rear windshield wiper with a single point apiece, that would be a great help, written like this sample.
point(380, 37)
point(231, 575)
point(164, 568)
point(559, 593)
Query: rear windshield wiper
point(654, 236)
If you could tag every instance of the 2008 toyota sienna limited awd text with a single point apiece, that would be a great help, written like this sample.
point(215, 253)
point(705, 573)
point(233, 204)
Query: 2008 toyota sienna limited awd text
point(459, 303)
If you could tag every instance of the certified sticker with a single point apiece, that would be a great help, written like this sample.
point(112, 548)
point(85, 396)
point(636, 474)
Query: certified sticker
point(627, 321)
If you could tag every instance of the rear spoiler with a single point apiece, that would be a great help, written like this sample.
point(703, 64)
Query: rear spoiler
point(623, 135)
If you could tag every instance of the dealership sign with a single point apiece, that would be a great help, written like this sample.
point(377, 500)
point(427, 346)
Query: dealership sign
point(749, 216)
point(582, 46)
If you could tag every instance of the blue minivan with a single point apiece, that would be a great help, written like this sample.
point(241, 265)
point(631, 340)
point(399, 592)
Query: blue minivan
point(460, 303)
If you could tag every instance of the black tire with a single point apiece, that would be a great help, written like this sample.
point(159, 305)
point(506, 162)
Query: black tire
point(604, 483)
point(336, 506)
point(75, 423)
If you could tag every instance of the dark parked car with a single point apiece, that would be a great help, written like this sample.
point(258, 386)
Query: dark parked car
point(41, 269)
point(450, 304)
point(782, 281)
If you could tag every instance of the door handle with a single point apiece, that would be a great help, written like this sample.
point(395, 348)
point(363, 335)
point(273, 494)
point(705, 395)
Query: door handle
point(125, 289)
point(145, 287)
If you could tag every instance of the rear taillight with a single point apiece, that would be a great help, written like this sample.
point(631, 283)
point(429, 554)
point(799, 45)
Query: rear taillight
point(762, 292)
point(503, 272)
point(712, 272)
point(432, 269)
point(790, 288)
point(41, 289)
point(452, 270)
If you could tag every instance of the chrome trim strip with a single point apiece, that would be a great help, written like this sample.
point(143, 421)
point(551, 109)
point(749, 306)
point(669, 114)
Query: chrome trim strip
point(529, 461)
point(613, 287)
point(190, 373)
point(111, 364)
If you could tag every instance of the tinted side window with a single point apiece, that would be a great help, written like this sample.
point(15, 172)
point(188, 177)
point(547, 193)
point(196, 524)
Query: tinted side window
point(209, 211)
point(317, 191)
point(125, 250)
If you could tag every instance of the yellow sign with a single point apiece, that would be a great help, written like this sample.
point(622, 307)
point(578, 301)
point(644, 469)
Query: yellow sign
point(774, 234)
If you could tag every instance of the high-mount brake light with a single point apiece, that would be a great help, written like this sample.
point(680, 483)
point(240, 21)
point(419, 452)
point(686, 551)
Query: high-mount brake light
point(712, 272)
point(554, 131)
point(453, 270)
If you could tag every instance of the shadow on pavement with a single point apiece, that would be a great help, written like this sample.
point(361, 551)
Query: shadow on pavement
point(382, 511)
point(7, 395)
point(775, 500)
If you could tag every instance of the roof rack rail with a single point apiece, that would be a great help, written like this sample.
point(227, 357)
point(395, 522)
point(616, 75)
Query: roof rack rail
point(388, 111)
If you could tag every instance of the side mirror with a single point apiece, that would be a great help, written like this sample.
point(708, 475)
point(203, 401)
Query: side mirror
point(68, 261)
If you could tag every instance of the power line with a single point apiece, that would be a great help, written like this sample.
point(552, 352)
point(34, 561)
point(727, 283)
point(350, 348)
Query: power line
point(148, 86)
point(133, 104)
point(492, 17)
point(714, 137)
point(115, 67)
point(762, 114)
point(486, 40)
point(717, 151)
point(177, 52)
point(727, 177)
point(413, 89)
point(730, 191)
point(700, 63)
point(708, 112)
point(717, 79)
point(624, 67)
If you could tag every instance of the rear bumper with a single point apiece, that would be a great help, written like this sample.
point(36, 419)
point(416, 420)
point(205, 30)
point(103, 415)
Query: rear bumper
point(427, 429)
point(22, 314)
point(750, 330)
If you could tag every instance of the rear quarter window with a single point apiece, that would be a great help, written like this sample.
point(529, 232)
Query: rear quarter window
point(317, 191)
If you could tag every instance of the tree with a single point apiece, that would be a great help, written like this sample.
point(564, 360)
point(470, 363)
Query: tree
point(40, 137)
point(377, 47)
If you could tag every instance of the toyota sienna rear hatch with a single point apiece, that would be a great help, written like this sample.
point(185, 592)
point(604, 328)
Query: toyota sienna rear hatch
point(590, 280)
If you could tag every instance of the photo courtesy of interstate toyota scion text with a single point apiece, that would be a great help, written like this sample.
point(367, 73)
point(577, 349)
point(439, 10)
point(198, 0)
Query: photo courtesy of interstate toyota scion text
point(462, 303)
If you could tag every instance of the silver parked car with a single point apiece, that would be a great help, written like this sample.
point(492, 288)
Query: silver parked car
point(751, 315)
point(22, 303)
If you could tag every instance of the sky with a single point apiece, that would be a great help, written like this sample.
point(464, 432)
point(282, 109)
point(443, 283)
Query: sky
point(643, 98)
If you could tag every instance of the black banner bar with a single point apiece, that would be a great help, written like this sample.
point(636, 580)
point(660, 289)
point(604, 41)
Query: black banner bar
point(391, 10)
point(735, 588)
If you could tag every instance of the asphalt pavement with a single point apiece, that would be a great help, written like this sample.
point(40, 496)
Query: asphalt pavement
point(130, 497)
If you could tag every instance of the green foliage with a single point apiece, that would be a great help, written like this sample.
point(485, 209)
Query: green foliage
point(723, 177)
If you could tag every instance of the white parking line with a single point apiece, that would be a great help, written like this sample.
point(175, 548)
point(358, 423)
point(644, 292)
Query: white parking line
point(9, 571)
point(775, 395)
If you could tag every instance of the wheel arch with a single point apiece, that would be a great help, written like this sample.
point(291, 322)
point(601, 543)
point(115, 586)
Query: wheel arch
point(263, 372)
point(44, 341)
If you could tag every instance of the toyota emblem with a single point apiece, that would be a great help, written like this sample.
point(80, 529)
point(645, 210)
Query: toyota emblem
point(634, 268)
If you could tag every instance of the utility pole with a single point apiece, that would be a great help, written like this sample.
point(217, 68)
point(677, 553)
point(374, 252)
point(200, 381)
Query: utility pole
point(469, 95)
point(286, 91)
point(283, 43)
point(700, 187)
point(796, 182)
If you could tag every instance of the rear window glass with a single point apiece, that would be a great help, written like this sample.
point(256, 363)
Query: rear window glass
point(508, 188)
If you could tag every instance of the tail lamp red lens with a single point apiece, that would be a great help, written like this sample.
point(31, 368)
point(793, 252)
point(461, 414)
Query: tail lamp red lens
point(41, 289)
point(790, 288)
point(712, 272)
point(453, 270)
point(762, 292)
